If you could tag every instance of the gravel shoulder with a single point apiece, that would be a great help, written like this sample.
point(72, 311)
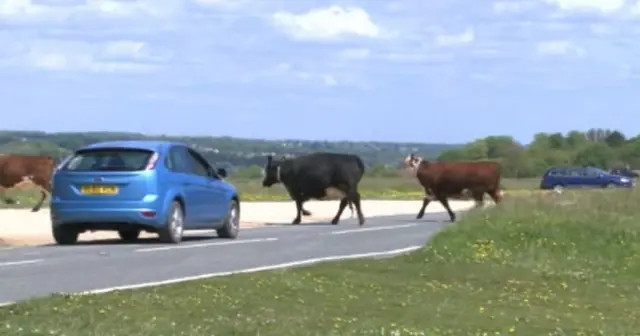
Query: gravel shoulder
point(19, 227)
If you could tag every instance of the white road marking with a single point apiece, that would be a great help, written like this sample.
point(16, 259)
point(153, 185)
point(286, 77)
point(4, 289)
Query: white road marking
point(377, 228)
point(246, 270)
point(21, 262)
point(255, 269)
point(188, 246)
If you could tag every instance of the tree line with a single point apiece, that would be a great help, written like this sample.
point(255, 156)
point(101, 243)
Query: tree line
point(227, 152)
point(602, 148)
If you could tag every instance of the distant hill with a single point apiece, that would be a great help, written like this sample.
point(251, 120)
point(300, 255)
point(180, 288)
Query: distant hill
point(229, 152)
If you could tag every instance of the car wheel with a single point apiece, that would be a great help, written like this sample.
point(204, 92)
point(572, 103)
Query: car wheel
point(231, 227)
point(65, 235)
point(174, 227)
point(609, 185)
point(129, 235)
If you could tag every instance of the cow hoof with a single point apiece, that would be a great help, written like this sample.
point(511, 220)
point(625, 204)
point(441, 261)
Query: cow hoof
point(306, 213)
point(419, 216)
point(296, 221)
point(361, 222)
point(334, 221)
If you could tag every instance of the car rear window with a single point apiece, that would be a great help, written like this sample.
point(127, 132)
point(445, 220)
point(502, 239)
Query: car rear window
point(109, 159)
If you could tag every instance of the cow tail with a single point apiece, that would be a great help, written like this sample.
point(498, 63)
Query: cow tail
point(51, 164)
point(360, 166)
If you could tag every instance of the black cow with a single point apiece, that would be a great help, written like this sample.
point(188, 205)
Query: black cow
point(320, 176)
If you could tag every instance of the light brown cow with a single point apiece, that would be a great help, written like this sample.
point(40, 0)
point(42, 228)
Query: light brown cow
point(16, 170)
point(441, 180)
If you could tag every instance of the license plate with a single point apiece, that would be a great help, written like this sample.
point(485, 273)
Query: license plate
point(99, 190)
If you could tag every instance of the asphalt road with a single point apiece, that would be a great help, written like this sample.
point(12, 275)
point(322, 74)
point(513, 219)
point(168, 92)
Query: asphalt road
point(39, 271)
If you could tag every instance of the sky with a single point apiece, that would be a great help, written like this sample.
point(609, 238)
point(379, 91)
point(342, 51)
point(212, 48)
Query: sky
point(413, 70)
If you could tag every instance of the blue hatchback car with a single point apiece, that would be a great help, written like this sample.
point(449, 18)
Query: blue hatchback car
point(134, 186)
point(582, 177)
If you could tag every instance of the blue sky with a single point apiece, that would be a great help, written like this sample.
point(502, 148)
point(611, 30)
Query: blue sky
point(410, 70)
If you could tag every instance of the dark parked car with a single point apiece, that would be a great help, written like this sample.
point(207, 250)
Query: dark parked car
point(582, 177)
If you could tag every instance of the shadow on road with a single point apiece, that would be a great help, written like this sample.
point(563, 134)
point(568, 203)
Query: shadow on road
point(141, 241)
point(318, 223)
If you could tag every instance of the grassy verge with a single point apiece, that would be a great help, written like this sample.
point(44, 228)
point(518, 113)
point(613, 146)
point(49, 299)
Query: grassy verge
point(531, 266)
point(252, 190)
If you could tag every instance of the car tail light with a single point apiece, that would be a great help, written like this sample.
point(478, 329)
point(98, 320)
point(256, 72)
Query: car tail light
point(152, 162)
point(148, 214)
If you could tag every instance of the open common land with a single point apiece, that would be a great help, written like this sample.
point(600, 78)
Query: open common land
point(401, 188)
point(538, 265)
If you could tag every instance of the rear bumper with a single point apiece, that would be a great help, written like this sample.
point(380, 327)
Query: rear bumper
point(106, 216)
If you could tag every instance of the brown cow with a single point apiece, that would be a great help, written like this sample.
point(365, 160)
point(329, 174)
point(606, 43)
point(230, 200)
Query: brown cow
point(17, 170)
point(442, 180)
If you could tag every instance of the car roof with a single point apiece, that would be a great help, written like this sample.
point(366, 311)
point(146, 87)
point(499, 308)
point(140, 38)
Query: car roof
point(571, 167)
point(142, 144)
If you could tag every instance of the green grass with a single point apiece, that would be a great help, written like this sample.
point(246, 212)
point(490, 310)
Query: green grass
point(529, 266)
point(252, 190)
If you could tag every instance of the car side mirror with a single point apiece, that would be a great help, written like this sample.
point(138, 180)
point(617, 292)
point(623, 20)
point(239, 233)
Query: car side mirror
point(222, 172)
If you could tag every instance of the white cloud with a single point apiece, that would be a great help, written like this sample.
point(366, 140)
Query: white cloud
point(603, 6)
point(30, 10)
point(323, 78)
point(133, 49)
point(509, 7)
point(327, 23)
point(355, 53)
point(229, 4)
point(465, 37)
point(115, 56)
point(559, 48)
point(601, 29)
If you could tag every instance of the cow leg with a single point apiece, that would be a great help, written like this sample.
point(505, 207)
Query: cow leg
point(478, 197)
point(341, 207)
point(5, 199)
point(425, 201)
point(297, 220)
point(496, 195)
point(351, 209)
point(38, 205)
point(357, 201)
point(445, 203)
point(44, 189)
point(343, 204)
point(305, 212)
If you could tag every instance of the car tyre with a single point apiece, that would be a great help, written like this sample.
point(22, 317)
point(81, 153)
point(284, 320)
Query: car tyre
point(65, 235)
point(231, 226)
point(609, 185)
point(173, 229)
point(129, 235)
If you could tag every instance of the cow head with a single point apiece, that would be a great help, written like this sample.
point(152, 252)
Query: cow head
point(411, 163)
point(271, 173)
